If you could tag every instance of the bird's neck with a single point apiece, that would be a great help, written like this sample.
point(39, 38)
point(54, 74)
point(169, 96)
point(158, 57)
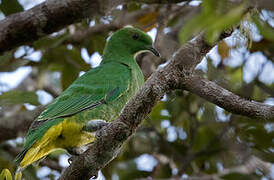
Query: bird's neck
point(118, 53)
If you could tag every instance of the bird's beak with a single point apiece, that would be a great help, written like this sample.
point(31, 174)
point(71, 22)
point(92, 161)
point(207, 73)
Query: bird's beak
point(154, 51)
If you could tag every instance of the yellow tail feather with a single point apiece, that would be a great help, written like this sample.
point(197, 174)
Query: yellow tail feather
point(42, 147)
point(5, 174)
point(63, 135)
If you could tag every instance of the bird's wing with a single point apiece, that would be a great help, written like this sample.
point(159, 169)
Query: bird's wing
point(98, 86)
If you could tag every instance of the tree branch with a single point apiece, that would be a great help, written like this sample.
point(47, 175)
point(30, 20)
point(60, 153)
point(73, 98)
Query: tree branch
point(250, 166)
point(264, 87)
point(228, 100)
point(51, 16)
point(43, 19)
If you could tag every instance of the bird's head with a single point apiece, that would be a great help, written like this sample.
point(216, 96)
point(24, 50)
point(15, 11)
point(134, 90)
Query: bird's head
point(132, 40)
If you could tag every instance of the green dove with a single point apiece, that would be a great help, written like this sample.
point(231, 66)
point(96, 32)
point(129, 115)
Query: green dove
point(91, 101)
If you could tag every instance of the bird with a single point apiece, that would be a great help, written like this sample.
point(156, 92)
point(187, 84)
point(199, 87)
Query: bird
point(91, 101)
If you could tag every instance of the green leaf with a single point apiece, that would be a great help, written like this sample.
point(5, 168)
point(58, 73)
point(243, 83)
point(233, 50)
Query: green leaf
point(212, 72)
point(214, 23)
point(5, 174)
point(96, 43)
point(164, 171)
point(61, 56)
point(209, 6)
point(193, 27)
point(221, 23)
point(203, 138)
point(258, 135)
point(19, 97)
point(69, 74)
point(258, 94)
point(265, 29)
point(10, 6)
point(156, 115)
point(49, 41)
point(199, 22)
point(74, 58)
point(13, 65)
point(30, 173)
point(4, 60)
point(133, 6)
point(235, 78)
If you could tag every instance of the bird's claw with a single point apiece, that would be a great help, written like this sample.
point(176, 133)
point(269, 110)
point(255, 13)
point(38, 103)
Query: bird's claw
point(71, 159)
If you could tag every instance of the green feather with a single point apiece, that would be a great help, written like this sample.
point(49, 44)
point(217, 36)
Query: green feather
point(90, 89)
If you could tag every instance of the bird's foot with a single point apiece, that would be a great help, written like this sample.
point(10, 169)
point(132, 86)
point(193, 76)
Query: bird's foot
point(94, 125)
point(70, 159)
point(74, 152)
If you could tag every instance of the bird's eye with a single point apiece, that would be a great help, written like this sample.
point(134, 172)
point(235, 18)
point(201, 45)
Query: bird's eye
point(135, 36)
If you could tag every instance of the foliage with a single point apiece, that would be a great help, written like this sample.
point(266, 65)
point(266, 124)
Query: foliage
point(18, 97)
point(184, 134)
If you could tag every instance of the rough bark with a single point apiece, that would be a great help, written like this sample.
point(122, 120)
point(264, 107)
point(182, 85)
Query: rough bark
point(177, 74)
point(51, 16)
point(228, 100)
point(43, 19)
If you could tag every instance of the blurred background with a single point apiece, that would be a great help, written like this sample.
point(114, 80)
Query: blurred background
point(184, 137)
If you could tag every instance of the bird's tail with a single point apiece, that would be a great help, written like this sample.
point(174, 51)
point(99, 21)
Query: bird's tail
point(41, 148)
point(36, 152)
point(28, 156)
point(20, 156)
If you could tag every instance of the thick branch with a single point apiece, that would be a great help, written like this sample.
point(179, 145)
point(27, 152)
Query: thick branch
point(51, 16)
point(228, 100)
point(43, 19)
